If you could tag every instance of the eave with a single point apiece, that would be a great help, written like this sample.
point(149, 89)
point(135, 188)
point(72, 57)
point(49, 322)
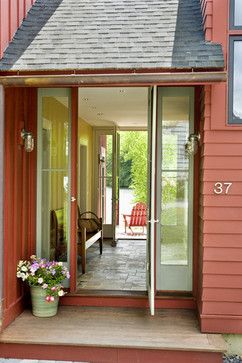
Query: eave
point(112, 79)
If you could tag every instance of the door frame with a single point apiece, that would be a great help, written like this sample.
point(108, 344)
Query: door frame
point(99, 131)
point(74, 157)
point(72, 95)
point(151, 197)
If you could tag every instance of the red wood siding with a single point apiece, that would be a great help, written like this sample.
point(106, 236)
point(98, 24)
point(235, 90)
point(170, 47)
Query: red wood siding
point(204, 105)
point(215, 21)
point(19, 196)
point(12, 13)
point(220, 222)
point(207, 12)
point(220, 215)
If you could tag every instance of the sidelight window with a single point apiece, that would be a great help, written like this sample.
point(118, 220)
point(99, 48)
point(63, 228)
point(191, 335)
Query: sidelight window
point(236, 14)
point(235, 82)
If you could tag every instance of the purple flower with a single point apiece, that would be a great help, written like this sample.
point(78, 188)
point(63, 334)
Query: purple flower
point(34, 267)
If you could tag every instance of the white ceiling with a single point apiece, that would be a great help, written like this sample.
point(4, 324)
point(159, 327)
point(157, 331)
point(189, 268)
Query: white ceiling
point(123, 107)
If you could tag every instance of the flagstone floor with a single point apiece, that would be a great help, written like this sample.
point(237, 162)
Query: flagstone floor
point(118, 268)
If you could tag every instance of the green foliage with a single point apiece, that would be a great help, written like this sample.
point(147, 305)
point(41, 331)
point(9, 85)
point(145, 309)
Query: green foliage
point(109, 161)
point(133, 151)
point(125, 177)
point(133, 165)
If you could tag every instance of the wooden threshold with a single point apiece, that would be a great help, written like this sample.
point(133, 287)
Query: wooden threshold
point(132, 299)
point(111, 335)
point(112, 327)
point(121, 293)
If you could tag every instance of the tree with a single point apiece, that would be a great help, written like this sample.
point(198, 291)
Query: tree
point(133, 150)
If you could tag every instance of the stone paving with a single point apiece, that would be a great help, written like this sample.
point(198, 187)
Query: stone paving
point(118, 268)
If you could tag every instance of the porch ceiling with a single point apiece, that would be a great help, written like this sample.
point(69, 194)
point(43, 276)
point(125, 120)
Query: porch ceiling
point(123, 107)
point(112, 34)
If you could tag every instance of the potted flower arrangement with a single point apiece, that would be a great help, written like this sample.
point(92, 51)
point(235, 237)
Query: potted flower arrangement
point(45, 280)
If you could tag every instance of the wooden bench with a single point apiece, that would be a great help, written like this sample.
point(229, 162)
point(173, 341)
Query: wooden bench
point(89, 232)
point(58, 241)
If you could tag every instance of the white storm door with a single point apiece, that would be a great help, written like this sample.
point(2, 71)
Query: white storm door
point(175, 197)
point(151, 216)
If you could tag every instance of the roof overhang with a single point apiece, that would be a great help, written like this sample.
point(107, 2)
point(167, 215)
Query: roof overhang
point(134, 79)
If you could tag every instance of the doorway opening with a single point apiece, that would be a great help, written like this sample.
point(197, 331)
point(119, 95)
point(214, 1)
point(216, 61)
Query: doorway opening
point(131, 221)
point(112, 139)
point(122, 264)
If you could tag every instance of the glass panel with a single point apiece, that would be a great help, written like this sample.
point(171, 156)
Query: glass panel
point(106, 176)
point(237, 81)
point(174, 218)
point(174, 137)
point(174, 180)
point(54, 175)
point(237, 12)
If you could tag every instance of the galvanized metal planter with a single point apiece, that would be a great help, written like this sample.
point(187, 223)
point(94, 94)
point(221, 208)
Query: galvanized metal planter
point(40, 307)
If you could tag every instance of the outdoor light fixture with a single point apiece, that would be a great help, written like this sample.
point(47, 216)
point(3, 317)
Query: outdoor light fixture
point(191, 147)
point(28, 140)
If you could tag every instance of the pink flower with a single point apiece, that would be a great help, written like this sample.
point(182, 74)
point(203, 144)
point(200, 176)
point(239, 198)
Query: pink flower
point(53, 288)
point(47, 298)
point(52, 298)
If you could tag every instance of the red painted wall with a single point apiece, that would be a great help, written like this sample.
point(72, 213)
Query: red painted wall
point(19, 195)
point(220, 302)
point(207, 10)
point(12, 13)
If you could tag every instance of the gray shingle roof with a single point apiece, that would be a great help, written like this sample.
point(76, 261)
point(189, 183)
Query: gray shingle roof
point(111, 34)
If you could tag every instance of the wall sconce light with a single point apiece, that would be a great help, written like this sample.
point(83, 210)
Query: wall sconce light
point(28, 140)
point(191, 147)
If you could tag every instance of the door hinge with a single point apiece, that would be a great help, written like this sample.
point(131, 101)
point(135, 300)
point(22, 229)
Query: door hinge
point(153, 221)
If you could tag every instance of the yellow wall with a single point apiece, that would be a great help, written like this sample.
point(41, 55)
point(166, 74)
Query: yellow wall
point(55, 122)
point(55, 119)
point(85, 137)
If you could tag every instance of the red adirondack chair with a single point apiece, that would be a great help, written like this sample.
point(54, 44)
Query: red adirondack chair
point(137, 218)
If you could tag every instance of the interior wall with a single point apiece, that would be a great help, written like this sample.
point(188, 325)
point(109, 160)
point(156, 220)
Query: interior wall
point(85, 138)
point(19, 194)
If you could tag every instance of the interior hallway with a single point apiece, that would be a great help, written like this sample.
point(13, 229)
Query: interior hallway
point(118, 268)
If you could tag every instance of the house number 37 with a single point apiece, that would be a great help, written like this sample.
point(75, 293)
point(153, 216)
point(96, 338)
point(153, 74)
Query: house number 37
point(222, 188)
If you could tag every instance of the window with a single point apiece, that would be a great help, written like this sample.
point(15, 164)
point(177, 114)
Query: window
point(236, 14)
point(235, 84)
